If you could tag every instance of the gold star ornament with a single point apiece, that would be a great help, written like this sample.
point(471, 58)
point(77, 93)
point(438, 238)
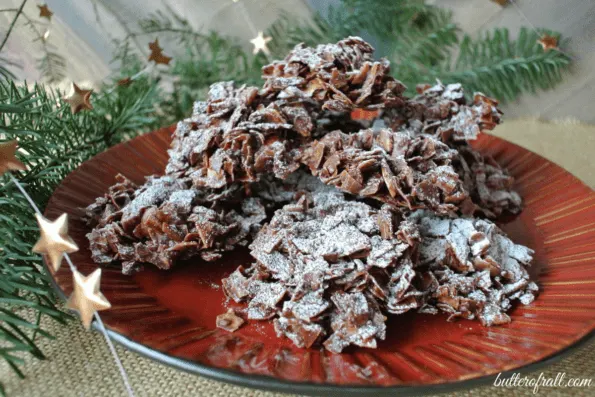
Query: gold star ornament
point(54, 240)
point(79, 100)
point(86, 298)
point(548, 42)
point(8, 160)
point(157, 55)
point(260, 43)
point(44, 11)
point(125, 82)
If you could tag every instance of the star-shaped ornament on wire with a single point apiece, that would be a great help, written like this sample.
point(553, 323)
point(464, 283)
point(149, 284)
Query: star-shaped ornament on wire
point(86, 298)
point(548, 42)
point(79, 100)
point(8, 160)
point(54, 240)
point(260, 43)
point(157, 55)
point(44, 11)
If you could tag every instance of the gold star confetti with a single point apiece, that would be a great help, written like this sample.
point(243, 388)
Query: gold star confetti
point(54, 240)
point(548, 42)
point(79, 100)
point(260, 43)
point(8, 161)
point(44, 11)
point(86, 298)
point(157, 55)
point(125, 82)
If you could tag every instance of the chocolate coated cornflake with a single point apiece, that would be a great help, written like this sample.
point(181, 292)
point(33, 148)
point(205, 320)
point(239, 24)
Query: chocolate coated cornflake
point(240, 134)
point(325, 270)
point(229, 321)
point(330, 270)
point(471, 269)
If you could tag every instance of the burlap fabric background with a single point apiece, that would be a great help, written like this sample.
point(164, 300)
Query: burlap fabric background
point(80, 364)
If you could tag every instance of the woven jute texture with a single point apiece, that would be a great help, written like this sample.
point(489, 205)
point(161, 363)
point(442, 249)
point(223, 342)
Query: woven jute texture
point(79, 362)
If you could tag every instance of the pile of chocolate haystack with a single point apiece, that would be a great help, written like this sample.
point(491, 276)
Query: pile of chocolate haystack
point(347, 220)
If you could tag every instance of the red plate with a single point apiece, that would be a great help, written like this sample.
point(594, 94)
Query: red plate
point(170, 316)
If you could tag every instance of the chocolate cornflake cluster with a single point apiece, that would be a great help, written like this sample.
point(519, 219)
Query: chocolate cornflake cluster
point(160, 222)
point(471, 269)
point(335, 77)
point(401, 169)
point(328, 269)
point(325, 270)
point(348, 221)
point(442, 112)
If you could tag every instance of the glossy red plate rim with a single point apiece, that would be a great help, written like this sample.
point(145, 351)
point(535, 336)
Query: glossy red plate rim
point(271, 383)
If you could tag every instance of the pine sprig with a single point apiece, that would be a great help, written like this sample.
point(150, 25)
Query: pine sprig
point(505, 68)
point(52, 65)
point(52, 142)
point(427, 45)
point(386, 19)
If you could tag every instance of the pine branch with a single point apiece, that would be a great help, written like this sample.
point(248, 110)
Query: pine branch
point(430, 44)
point(505, 68)
point(51, 64)
point(52, 142)
point(385, 19)
point(390, 18)
point(287, 31)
